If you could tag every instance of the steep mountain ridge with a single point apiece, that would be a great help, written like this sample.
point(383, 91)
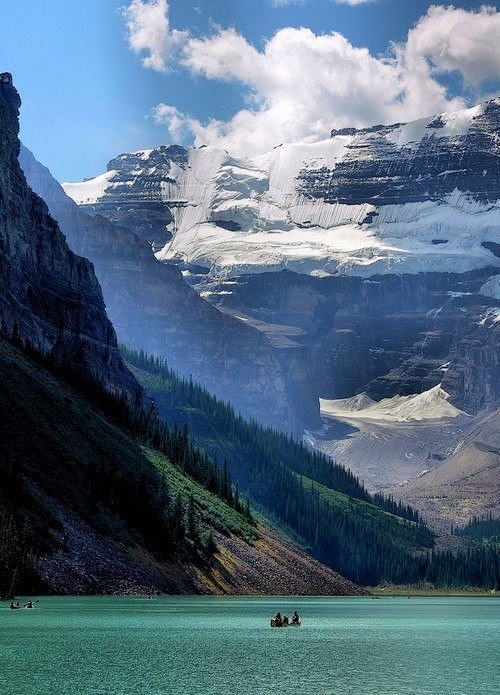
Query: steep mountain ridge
point(75, 450)
point(388, 335)
point(88, 496)
point(152, 308)
point(90, 449)
point(49, 297)
point(407, 198)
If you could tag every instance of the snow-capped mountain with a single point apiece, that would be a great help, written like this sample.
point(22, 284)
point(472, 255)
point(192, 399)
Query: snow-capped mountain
point(405, 198)
point(393, 234)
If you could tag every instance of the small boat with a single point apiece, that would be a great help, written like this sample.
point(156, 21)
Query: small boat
point(273, 624)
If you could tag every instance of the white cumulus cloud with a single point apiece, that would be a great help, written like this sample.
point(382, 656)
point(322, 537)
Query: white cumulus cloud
point(150, 35)
point(455, 39)
point(178, 124)
point(299, 85)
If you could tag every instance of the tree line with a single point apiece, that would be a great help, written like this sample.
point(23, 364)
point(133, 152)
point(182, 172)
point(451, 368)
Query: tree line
point(100, 487)
point(484, 528)
point(370, 539)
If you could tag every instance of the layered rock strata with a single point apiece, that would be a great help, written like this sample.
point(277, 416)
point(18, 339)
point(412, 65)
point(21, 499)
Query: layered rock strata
point(406, 198)
point(49, 297)
point(387, 335)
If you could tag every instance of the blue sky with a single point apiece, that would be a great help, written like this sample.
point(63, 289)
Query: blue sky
point(87, 95)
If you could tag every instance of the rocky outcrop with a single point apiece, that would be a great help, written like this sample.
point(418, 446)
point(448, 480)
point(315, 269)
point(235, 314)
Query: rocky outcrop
point(389, 335)
point(415, 162)
point(153, 309)
point(392, 230)
point(137, 198)
point(473, 376)
point(49, 297)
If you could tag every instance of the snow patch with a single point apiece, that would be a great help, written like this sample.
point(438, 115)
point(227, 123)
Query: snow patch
point(492, 314)
point(491, 287)
point(430, 405)
point(270, 224)
point(89, 191)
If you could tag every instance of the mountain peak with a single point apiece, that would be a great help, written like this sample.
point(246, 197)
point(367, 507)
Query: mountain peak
point(407, 197)
point(6, 78)
point(457, 121)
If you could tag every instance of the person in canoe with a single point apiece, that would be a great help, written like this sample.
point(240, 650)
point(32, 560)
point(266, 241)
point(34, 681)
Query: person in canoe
point(277, 621)
point(295, 618)
point(30, 604)
point(285, 620)
point(14, 605)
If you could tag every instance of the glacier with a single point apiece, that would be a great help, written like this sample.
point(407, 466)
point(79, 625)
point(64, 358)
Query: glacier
point(406, 198)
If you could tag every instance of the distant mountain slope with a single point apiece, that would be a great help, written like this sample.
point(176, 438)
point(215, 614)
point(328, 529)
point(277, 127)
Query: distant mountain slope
point(392, 234)
point(466, 483)
point(49, 297)
point(405, 198)
point(152, 308)
point(97, 494)
point(369, 538)
point(385, 336)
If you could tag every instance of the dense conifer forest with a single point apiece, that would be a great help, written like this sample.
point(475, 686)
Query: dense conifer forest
point(481, 529)
point(370, 539)
point(91, 449)
point(69, 440)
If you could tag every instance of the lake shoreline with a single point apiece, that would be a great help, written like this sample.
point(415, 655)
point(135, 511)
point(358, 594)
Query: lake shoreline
point(372, 592)
point(408, 590)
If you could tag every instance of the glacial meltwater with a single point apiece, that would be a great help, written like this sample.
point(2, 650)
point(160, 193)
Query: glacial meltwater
point(225, 646)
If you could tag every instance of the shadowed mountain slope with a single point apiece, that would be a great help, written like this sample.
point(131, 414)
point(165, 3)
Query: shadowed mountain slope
point(49, 297)
point(152, 308)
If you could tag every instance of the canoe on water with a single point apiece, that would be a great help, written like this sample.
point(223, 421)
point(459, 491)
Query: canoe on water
point(273, 624)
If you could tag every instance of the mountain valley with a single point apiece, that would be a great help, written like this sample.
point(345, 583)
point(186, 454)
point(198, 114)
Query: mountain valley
point(374, 255)
point(402, 364)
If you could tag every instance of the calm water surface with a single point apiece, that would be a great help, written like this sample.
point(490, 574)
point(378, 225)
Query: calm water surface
point(223, 646)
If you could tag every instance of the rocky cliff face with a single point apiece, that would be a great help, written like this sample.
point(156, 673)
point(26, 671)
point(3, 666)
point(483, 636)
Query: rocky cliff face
point(137, 197)
point(389, 335)
point(49, 297)
point(153, 309)
point(415, 162)
point(372, 257)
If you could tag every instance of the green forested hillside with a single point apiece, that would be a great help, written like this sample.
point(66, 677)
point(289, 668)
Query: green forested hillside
point(148, 486)
point(97, 460)
point(320, 501)
point(369, 539)
point(484, 529)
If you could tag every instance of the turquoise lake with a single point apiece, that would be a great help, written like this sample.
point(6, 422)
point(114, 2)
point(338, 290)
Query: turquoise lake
point(224, 646)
